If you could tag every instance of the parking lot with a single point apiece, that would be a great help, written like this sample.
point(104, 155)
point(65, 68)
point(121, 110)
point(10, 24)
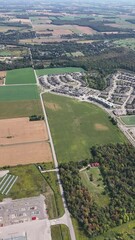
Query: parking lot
point(22, 210)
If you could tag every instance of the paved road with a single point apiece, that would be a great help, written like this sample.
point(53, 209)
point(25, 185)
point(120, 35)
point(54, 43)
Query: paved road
point(51, 170)
point(66, 218)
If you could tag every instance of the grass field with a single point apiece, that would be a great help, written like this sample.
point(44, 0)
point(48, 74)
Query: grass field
point(29, 183)
point(78, 231)
point(124, 232)
point(53, 197)
point(48, 71)
point(15, 93)
point(77, 126)
point(60, 232)
point(95, 187)
point(20, 76)
point(26, 108)
point(128, 43)
point(4, 53)
point(128, 120)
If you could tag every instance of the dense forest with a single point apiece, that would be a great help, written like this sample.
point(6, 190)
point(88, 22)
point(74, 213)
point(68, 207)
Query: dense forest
point(117, 164)
point(18, 63)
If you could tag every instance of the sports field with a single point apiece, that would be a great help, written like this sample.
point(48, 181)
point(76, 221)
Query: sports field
point(20, 76)
point(49, 71)
point(128, 120)
point(15, 93)
point(77, 126)
point(25, 108)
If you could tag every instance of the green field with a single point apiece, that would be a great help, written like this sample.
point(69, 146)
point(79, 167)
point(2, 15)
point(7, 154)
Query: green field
point(16, 93)
point(77, 54)
point(80, 235)
point(14, 109)
point(77, 126)
point(96, 186)
point(4, 53)
point(60, 232)
point(49, 71)
point(128, 43)
point(124, 232)
point(29, 183)
point(53, 196)
point(128, 120)
point(20, 76)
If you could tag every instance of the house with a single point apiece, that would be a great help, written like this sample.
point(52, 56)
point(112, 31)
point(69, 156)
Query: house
point(96, 164)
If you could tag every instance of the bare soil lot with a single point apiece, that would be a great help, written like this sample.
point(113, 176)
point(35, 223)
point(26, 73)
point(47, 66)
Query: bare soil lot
point(21, 130)
point(25, 154)
point(85, 30)
point(2, 77)
point(101, 127)
point(2, 74)
point(53, 106)
point(25, 21)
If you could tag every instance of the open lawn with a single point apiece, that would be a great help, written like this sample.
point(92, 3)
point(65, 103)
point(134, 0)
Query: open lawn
point(128, 120)
point(25, 108)
point(15, 93)
point(20, 76)
point(48, 71)
point(60, 232)
point(96, 186)
point(53, 197)
point(77, 126)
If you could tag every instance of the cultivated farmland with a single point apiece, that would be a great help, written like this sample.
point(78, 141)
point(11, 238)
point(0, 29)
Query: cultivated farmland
point(11, 131)
point(23, 142)
point(13, 109)
point(22, 154)
point(49, 71)
point(20, 76)
point(15, 93)
point(77, 126)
